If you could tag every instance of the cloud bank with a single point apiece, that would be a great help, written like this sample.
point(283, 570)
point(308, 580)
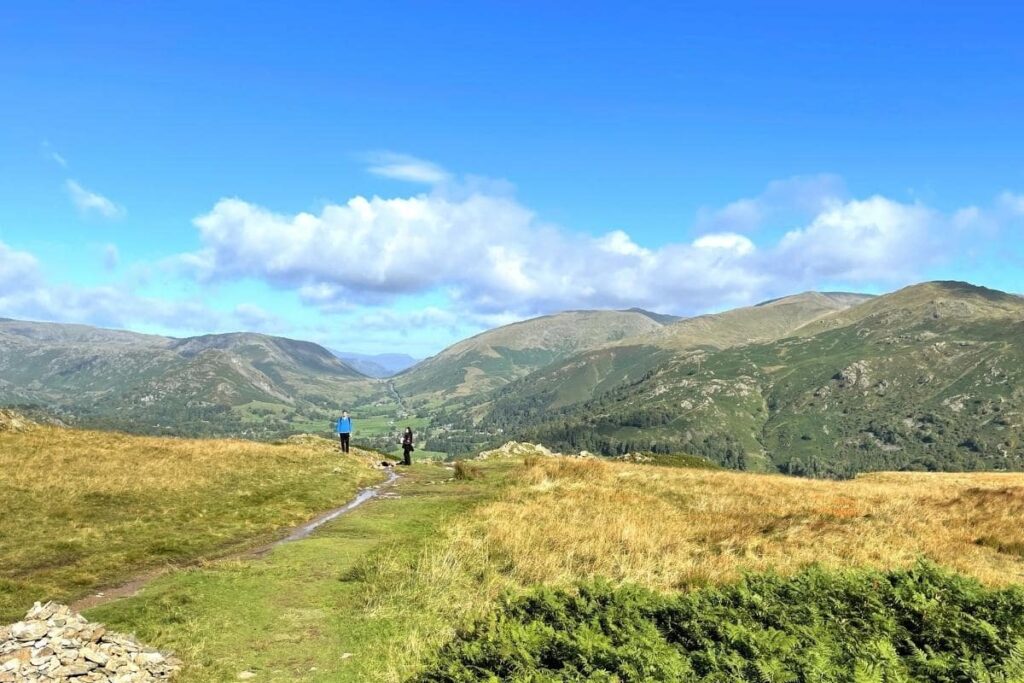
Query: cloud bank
point(465, 254)
point(491, 255)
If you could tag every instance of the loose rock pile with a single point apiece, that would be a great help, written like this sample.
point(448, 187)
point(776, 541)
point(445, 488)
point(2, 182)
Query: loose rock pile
point(55, 644)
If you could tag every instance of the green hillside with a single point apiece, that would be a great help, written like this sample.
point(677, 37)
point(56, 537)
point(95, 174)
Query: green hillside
point(929, 377)
point(239, 384)
point(593, 373)
point(477, 365)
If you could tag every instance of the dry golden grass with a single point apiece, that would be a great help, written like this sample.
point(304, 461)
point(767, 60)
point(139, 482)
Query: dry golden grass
point(670, 528)
point(561, 520)
point(82, 509)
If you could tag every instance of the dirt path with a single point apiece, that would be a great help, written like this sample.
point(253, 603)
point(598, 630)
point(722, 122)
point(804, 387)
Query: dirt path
point(136, 584)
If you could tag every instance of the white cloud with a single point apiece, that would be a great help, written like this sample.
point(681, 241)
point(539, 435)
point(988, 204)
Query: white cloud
point(726, 241)
point(1014, 203)
point(90, 202)
point(25, 293)
point(618, 242)
point(799, 196)
point(492, 256)
point(408, 168)
point(254, 318)
point(876, 239)
point(406, 322)
point(19, 270)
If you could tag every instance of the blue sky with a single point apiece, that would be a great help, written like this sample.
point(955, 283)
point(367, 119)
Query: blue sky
point(395, 178)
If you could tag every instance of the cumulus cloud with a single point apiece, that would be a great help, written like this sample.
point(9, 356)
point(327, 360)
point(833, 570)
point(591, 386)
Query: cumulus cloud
point(492, 256)
point(92, 203)
point(405, 167)
point(876, 239)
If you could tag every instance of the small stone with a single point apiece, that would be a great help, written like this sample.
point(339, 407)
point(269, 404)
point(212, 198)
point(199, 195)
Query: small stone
point(95, 656)
point(246, 675)
point(72, 670)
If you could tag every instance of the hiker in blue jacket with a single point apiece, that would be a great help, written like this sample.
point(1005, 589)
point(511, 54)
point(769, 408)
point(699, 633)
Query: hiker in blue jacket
point(344, 430)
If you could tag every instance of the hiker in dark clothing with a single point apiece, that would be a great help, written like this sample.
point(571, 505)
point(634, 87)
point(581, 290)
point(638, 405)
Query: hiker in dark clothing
point(344, 430)
point(407, 446)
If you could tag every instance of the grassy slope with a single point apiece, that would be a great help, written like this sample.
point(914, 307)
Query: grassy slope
point(614, 365)
point(375, 593)
point(342, 606)
point(495, 357)
point(84, 509)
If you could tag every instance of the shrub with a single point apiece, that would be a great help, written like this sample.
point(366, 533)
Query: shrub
point(922, 624)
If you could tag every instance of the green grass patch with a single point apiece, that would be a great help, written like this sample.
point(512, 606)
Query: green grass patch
point(82, 510)
point(922, 624)
point(335, 607)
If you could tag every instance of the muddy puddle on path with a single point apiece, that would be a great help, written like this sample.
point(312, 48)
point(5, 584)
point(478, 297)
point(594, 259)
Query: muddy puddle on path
point(132, 587)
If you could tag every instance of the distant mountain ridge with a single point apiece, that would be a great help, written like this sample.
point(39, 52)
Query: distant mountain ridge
point(928, 377)
point(379, 365)
point(218, 383)
point(605, 366)
point(495, 357)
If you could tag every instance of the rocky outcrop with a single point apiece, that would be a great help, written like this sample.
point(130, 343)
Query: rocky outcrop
point(516, 449)
point(11, 421)
point(53, 643)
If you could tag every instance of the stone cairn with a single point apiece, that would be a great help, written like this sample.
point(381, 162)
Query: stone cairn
point(55, 644)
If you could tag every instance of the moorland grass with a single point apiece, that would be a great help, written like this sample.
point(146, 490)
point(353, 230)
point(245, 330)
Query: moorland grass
point(672, 528)
point(85, 509)
point(375, 594)
point(557, 521)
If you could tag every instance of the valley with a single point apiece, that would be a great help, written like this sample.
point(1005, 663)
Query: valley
point(814, 384)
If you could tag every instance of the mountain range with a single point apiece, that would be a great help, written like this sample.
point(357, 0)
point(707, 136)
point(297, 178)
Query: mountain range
point(929, 377)
point(242, 383)
point(819, 383)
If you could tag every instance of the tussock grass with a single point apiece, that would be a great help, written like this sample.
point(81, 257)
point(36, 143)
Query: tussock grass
point(670, 528)
point(565, 520)
point(83, 509)
point(466, 471)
